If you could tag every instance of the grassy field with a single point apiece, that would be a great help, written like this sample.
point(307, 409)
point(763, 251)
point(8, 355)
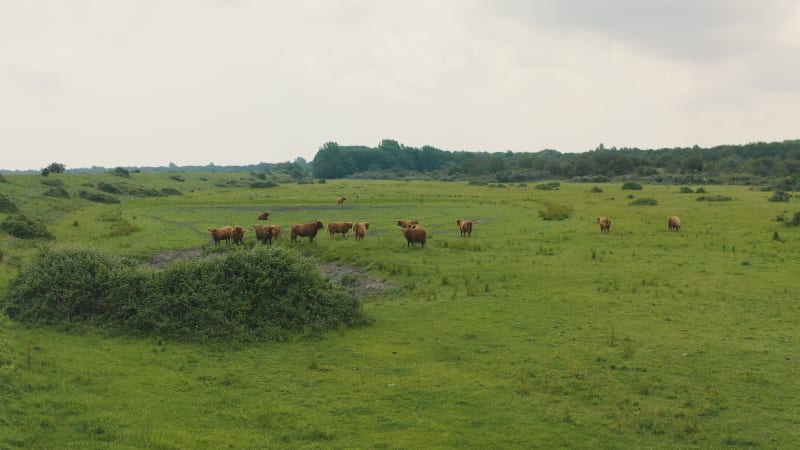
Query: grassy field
point(531, 333)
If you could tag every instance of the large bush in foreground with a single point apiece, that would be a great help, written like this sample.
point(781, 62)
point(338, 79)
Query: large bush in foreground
point(263, 293)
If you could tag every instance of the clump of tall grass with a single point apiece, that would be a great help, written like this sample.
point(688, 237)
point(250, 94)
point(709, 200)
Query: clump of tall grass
point(644, 202)
point(632, 185)
point(780, 196)
point(714, 198)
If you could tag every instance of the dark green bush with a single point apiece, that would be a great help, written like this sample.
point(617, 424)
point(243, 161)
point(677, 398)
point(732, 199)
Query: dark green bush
point(7, 206)
point(632, 185)
point(52, 182)
point(701, 190)
point(263, 293)
point(644, 202)
point(596, 189)
point(121, 172)
point(552, 211)
point(714, 198)
point(263, 184)
point(171, 191)
point(686, 190)
point(58, 192)
point(780, 196)
point(98, 197)
point(795, 220)
point(108, 187)
point(549, 186)
point(20, 226)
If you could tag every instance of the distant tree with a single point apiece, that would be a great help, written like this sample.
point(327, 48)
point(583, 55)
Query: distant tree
point(45, 172)
point(692, 164)
point(56, 168)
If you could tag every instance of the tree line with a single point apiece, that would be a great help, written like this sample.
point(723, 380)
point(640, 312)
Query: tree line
point(725, 163)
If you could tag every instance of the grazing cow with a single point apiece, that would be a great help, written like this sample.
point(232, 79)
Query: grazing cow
point(237, 234)
point(673, 223)
point(339, 227)
point(263, 216)
point(605, 224)
point(465, 226)
point(264, 234)
point(360, 230)
point(221, 234)
point(340, 200)
point(308, 230)
point(415, 235)
point(406, 223)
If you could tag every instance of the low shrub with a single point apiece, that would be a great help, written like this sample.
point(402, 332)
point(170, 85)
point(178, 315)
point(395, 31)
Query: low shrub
point(22, 227)
point(98, 197)
point(58, 192)
point(552, 211)
point(686, 190)
point(7, 205)
point(714, 198)
point(171, 191)
point(700, 190)
point(263, 184)
point(780, 196)
point(52, 182)
point(596, 189)
point(263, 293)
point(177, 178)
point(550, 186)
point(644, 202)
point(108, 187)
point(121, 172)
point(795, 221)
point(632, 185)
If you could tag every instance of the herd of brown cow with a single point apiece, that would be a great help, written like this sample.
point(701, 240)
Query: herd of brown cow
point(413, 232)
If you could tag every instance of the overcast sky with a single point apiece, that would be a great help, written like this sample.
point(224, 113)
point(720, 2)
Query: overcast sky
point(149, 82)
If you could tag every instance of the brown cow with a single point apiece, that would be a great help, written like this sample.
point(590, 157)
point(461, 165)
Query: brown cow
point(308, 230)
point(605, 224)
point(264, 216)
point(340, 200)
point(264, 234)
point(276, 231)
point(221, 234)
point(237, 234)
point(339, 227)
point(465, 226)
point(360, 230)
point(415, 235)
point(406, 223)
point(673, 223)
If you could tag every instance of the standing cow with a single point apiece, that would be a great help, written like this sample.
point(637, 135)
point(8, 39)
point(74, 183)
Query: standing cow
point(308, 230)
point(221, 234)
point(340, 200)
point(237, 235)
point(415, 235)
point(360, 230)
point(339, 227)
point(264, 216)
point(673, 223)
point(263, 234)
point(465, 227)
point(605, 224)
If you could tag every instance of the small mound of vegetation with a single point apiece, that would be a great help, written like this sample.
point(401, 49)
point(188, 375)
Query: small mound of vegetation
point(177, 178)
point(98, 197)
point(686, 190)
point(631, 186)
point(550, 186)
point(52, 182)
point(795, 221)
point(22, 227)
point(263, 184)
point(121, 172)
point(58, 192)
point(263, 293)
point(596, 189)
point(7, 206)
point(714, 198)
point(108, 187)
point(171, 191)
point(780, 196)
point(552, 211)
point(644, 202)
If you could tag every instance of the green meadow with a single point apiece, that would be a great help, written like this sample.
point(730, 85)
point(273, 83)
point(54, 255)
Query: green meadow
point(531, 333)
